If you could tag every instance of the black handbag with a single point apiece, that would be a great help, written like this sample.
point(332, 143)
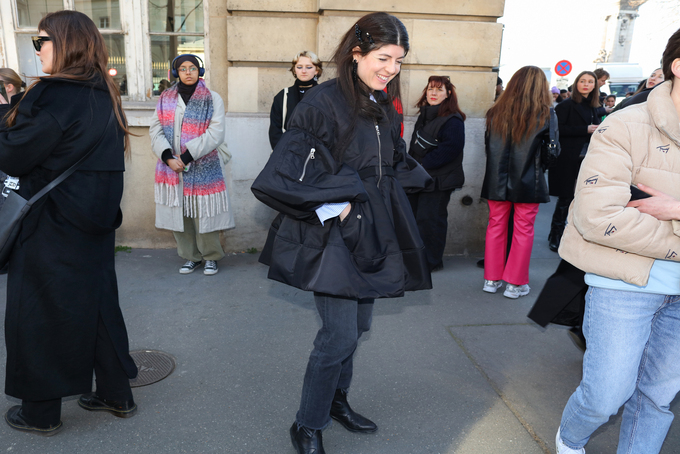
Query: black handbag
point(15, 208)
point(550, 150)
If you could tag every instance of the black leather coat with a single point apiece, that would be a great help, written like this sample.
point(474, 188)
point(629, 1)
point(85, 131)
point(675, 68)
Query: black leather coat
point(513, 170)
point(376, 251)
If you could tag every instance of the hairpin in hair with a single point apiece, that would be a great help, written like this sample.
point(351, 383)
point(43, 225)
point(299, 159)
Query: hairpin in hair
point(370, 38)
point(357, 32)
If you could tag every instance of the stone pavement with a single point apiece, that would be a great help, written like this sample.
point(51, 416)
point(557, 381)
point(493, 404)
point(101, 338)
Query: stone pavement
point(451, 370)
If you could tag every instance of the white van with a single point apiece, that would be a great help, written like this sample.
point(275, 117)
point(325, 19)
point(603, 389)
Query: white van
point(623, 78)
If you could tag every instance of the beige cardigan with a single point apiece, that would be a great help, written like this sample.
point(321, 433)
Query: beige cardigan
point(640, 144)
point(171, 218)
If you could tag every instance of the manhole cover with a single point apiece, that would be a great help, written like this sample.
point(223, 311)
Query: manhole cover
point(152, 366)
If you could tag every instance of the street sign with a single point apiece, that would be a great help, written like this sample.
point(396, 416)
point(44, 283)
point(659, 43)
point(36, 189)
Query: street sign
point(562, 68)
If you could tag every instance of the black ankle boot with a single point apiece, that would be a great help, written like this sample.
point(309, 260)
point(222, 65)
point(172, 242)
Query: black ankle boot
point(554, 240)
point(351, 420)
point(305, 440)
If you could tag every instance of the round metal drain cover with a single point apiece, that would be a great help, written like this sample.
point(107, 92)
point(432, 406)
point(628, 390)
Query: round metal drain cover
point(152, 366)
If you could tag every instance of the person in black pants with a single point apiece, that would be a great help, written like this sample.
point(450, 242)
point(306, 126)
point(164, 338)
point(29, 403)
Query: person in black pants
point(437, 144)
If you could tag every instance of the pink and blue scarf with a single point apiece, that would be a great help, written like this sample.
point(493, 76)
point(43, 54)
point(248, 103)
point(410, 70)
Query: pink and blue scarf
point(204, 191)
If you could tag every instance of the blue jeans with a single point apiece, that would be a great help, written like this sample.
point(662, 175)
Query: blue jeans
point(633, 358)
point(330, 363)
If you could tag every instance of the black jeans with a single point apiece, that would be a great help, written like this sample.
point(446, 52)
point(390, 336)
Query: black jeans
point(330, 364)
point(430, 211)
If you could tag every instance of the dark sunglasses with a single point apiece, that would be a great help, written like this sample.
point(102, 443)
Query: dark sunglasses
point(38, 41)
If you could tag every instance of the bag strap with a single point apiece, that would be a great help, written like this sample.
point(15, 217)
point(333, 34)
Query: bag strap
point(71, 169)
point(285, 109)
point(553, 127)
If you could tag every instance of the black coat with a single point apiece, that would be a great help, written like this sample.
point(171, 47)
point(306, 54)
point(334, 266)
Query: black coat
point(514, 171)
point(443, 161)
point(573, 120)
point(61, 271)
point(276, 113)
point(376, 251)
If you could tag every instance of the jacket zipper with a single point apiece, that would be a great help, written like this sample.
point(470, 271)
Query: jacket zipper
point(420, 138)
point(304, 168)
point(377, 131)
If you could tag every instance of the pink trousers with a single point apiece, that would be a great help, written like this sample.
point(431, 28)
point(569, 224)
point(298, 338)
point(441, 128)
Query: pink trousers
point(516, 269)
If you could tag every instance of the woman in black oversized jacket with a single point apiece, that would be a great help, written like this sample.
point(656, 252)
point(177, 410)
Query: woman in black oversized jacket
point(63, 320)
point(437, 144)
point(347, 231)
point(578, 119)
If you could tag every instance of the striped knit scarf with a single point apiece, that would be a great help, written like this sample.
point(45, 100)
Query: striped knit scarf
point(204, 191)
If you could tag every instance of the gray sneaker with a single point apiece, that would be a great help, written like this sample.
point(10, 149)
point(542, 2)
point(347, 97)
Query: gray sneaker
point(210, 268)
point(189, 267)
point(491, 286)
point(515, 291)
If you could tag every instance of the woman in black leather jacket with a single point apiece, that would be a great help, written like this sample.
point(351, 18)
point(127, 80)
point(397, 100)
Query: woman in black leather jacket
point(347, 231)
point(514, 178)
point(437, 144)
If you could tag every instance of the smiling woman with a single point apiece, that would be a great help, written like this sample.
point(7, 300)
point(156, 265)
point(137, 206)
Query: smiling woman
point(346, 232)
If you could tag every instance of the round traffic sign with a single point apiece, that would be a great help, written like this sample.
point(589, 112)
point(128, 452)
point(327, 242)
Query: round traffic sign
point(563, 67)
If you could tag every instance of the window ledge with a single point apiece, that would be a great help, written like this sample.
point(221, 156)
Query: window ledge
point(138, 113)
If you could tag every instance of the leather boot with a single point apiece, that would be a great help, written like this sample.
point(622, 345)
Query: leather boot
point(351, 420)
point(554, 239)
point(305, 440)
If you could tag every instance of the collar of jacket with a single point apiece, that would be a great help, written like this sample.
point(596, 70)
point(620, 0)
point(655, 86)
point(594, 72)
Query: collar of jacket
point(663, 113)
point(95, 82)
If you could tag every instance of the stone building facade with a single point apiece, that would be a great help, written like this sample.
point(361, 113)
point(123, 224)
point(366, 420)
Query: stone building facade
point(247, 46)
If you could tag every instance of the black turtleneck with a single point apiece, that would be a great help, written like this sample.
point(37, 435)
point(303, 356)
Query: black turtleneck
point(186, 91)
point(304, 87)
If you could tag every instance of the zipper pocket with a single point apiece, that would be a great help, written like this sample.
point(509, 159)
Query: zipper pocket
point(304, 168)
point(421, 138)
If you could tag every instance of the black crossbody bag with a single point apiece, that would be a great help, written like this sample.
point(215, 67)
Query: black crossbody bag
point(15, 208)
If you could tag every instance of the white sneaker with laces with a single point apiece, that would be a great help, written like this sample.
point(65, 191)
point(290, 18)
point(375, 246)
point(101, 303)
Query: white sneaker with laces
point(515, 291)
point(491, 286)
point(189, 267)
point(210, 268)
point(564, 449)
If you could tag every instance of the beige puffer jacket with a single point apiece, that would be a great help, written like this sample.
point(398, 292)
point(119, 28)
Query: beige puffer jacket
point(640, 144)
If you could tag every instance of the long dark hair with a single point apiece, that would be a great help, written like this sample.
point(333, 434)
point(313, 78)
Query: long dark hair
point(374, 31)
point(593, 97)
point(523, 107)
point(450, 104)
point(79, 53)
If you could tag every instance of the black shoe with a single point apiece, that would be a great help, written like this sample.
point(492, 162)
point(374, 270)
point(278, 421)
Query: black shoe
point(93, 402)
point(351, 420)
point(577, 337)
point(437, 267)
point(16, 421)
point(305, 440)
point(554, 240)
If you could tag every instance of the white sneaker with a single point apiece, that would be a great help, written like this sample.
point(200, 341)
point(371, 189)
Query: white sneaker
point(491, 286)
point(564, 449)
point(515, 291)
point(210, 268)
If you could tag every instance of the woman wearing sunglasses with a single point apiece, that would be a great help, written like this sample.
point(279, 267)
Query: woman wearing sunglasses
point(190, 190)
point(62, 319)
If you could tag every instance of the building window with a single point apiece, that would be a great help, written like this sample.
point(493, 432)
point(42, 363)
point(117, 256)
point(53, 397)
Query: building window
point(142, 37)
point(176, 27)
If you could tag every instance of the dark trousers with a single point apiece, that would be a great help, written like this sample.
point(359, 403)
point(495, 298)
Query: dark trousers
point(112, 383)
point(330, 364)
point(430, 211)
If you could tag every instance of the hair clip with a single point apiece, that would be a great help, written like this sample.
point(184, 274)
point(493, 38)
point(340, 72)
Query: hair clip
point(357, 32)
point(370, 38)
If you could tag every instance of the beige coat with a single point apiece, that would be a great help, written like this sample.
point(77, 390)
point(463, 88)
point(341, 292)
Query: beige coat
point(171, 218)
point(640, 144)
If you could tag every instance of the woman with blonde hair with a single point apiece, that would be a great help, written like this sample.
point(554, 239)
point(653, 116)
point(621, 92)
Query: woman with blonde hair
point(63, 320)
point(516, 127)
point(307, 69)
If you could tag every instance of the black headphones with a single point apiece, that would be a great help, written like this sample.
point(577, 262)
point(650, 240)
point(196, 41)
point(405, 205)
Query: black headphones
point(201, 70)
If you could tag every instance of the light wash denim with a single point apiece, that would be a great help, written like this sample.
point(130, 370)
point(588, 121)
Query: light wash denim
point(330, 364)
point(633, 358)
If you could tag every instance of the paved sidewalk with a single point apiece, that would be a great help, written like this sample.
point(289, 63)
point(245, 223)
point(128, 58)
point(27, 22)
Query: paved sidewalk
point(451, 370)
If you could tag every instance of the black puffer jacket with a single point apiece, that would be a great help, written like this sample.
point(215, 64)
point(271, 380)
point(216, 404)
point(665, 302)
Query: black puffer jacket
point(376, 251)
point(513, 170)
